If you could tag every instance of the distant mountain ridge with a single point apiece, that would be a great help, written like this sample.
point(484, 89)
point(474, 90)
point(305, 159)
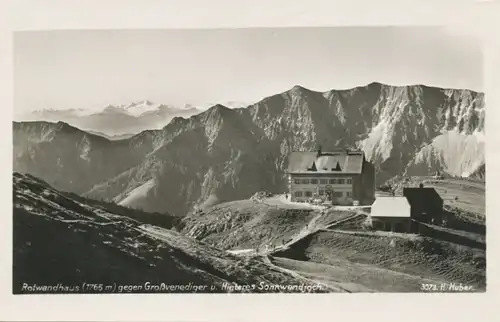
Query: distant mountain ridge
point(114, 120)
point(225, 154)
point(120, 121)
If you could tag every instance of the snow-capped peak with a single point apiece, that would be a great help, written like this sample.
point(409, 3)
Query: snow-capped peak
point(139, 108)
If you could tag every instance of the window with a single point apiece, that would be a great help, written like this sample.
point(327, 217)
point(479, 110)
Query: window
point(333, 181)
point(298, 194)
point(341, 181)
point(348, 181)
point(308, 194)
point(322, 192)
point(338, 194)
point(348, 194)
point(323, 181)
point(296, 181)
point(305, 181)
point(314, 181)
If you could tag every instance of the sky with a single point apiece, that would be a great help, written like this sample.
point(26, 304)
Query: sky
point(91, 69)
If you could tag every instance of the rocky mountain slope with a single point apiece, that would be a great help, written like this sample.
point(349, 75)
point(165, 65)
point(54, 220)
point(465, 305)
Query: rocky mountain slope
point(227, 154)
point(69, 158)
point(480, 173)
point(68, 243)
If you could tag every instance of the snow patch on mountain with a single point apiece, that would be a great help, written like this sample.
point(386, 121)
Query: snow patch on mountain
point(85, 149)
point(139, 108)
point(379, 142)
point(138, 194)
point(453, 152)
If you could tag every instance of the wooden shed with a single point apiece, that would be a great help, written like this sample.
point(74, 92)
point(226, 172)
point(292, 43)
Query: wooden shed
point(426, 204)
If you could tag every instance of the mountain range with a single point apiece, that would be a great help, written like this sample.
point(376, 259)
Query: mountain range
point(114, 120)
point(224, 154)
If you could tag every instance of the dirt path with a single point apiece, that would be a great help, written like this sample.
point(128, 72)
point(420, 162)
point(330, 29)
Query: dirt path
point(281, 201)
point(296, 275)
point(375, 234)
point(339, 222)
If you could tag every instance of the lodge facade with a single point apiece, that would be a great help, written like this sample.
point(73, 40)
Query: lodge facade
point(343, 177)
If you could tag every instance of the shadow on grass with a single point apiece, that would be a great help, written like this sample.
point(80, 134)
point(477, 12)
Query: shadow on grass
point(460, 220)
point(450, 236)
point(296, 250)
point(166, 221)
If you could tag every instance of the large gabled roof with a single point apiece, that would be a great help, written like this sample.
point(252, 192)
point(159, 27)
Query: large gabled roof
point(326, 162)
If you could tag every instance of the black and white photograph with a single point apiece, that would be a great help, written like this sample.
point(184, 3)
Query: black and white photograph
point(345, 159)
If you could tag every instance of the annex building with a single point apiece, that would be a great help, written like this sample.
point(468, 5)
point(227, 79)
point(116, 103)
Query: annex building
point(403, 213)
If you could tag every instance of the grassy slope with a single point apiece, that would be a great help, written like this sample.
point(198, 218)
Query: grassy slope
point(354, 277)
point(58, 239)
point(420, 257)
point(247, 224)
point(468, 196)
point(348, 256)
point(345, 260)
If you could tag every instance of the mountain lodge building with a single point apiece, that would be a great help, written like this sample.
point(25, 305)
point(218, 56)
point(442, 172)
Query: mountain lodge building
point(342, 176)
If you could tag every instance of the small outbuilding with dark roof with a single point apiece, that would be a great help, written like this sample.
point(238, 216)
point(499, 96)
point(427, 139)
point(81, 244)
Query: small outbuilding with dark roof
point(426, 204)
